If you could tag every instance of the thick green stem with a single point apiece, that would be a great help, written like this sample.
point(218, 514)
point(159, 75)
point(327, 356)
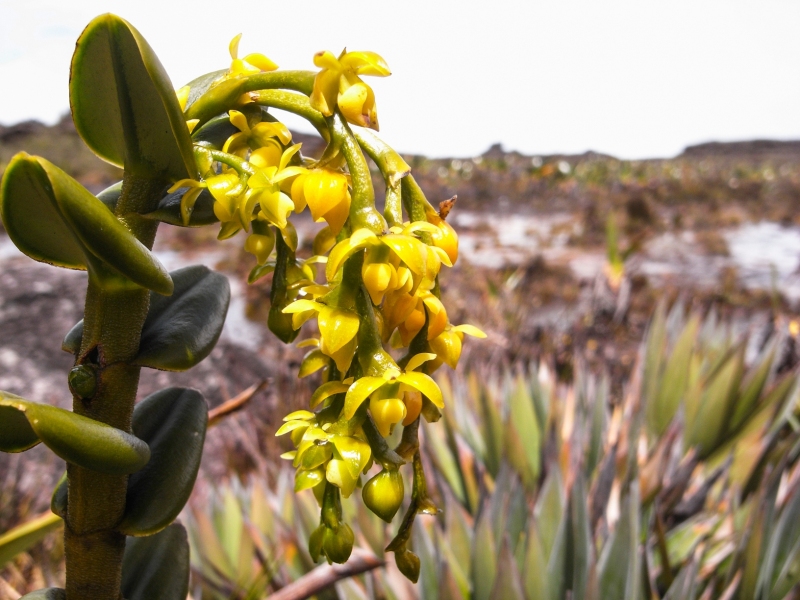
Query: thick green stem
point(362, 206)
point(226, 94)
point(295, 103)
point(113, 318)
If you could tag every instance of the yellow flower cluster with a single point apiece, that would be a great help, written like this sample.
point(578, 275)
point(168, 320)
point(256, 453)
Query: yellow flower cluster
point(379, 290)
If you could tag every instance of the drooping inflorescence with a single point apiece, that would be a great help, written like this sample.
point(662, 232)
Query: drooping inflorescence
point(383, 329)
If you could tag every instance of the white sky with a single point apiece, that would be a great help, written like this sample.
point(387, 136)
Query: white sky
point(632, 78)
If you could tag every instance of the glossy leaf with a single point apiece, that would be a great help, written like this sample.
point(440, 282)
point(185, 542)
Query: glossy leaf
point(80, 440)
point(54, 219)
point(157, 567)
point(110, 196)
point(16, 434)
point(124, 105)
point(32, 218)
point(181, 330)
point(200, 85)
point(173, 423)
point(46, 594)
point(58, 501)
point(169, 210)
point(20, 538)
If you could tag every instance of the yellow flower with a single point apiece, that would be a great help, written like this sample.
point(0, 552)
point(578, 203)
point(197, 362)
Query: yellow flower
point(337, 327)
point(386, 393)
point(265, 195)
point(326, 194)
point(261, 138)
point(447, 345)
point(250, 64)
point(445, 238)
point(339, 84)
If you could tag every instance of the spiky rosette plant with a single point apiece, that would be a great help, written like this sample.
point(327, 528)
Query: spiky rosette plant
point(214, 153)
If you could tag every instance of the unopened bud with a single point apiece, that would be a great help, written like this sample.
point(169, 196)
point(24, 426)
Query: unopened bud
point(383, 494)
point(337, 545)
point(83, 381)
point(408, 563)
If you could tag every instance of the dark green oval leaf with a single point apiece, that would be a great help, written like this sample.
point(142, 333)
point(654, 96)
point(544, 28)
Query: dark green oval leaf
point(103, 234)
point(200, 85)
point(16, 434)
point(32, 218)
point(169, 210)
point(80, 440)
point(46, 594)
point(58, 501)
point(123, 103)
point(157, 567)
point(110, 196)
point(173, 423)
point(52, 218)
point(215, 132)
point(72, 341)
point(181, 330)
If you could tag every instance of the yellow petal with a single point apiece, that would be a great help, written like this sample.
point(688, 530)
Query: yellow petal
point(419, 359)
point(337, 327)
point(343, 357)
point(324, 241)
point(268, 155)
point(410, 250)
point(326, 390)
point(233, 47)
point(339, 475)
point(386, 413)
point(312, 362)
point(447, 346)
point(302, 305)
point(239, 121)
point(358, 392)
point(183, 96)
point(260, 61)
point(310, 342)
point(301, 415)
point(366, 63)
point(290, 426)
point(287, 155)
point(351, 103)
point(325, 91)
point(425, 384)
point(470, 330)
point(326, 60)
point(337, 216)
point(355, 452)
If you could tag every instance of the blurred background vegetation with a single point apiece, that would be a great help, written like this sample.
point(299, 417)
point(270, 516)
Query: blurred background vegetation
point(630, 429)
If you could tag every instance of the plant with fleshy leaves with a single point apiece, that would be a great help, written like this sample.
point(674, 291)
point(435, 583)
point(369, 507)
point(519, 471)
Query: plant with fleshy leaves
point(213, 153)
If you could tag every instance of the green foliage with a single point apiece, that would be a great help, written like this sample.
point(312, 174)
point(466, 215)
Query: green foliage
point(126, 110)
point(124, 104)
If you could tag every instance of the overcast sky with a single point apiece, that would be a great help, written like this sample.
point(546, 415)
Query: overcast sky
point(632, 78)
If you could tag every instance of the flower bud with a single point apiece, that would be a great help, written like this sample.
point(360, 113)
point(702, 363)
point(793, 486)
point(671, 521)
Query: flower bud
point(408, 563)
point(383, 494)
point(413, 402)
point(386, 413)
point(447, 240)
point(83, 381)
point(338, 544)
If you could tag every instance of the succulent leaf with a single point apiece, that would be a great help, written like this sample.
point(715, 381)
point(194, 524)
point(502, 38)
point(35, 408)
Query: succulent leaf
point(81, 440)
point(173, 423)
point(181, 330)
point(124, 105)
point(157, 566)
